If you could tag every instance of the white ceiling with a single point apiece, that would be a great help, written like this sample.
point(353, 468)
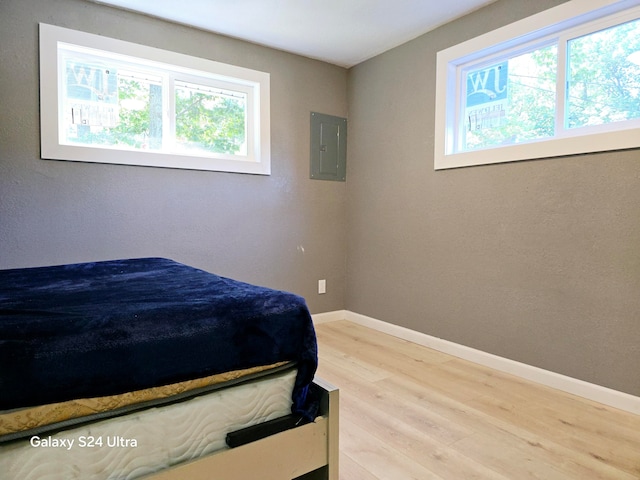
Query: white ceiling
point(342, 32)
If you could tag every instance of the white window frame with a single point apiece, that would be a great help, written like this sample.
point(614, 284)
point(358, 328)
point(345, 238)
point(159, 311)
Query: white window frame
point(255, 84)
point(561, 22)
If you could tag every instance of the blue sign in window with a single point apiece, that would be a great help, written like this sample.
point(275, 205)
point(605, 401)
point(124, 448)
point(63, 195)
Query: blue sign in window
point(487, 85)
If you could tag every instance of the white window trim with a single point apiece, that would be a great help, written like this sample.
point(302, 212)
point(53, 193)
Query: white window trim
point(546, 23)
point(259, 144)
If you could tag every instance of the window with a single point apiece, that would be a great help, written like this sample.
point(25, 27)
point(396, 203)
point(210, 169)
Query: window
point(563, 82)
point(108, 101)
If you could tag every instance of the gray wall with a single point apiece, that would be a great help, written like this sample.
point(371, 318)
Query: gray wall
point(536, 261)
point(244, 226)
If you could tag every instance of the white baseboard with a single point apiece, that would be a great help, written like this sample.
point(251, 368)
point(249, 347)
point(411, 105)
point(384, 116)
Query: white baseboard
point(591, 391)
point(319, 318)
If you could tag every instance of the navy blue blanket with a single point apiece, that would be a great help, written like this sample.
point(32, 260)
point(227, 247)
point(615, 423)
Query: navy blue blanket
point(104, 328)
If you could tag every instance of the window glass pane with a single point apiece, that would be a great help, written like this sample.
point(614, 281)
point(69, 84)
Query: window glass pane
point(108, 106)
point(603, 81)
point(512, 101)
point(210, 119)
point(140, 101)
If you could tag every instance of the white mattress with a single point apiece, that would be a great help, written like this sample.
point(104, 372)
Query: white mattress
point(150, 440)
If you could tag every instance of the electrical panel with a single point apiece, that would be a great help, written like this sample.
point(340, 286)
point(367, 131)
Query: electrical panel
point(328, 147)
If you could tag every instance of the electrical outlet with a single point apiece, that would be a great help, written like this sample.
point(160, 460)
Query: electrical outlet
point(322, 286)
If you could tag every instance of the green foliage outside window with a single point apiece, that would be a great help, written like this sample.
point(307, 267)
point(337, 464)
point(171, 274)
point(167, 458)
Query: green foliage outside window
point(603, 86)
point(211, 122)
point(603, 83)
point(204, 122)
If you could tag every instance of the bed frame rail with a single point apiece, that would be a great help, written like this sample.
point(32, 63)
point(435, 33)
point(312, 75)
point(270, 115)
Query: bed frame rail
point(307, 452)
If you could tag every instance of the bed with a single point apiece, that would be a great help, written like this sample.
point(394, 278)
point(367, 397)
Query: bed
point(148, 368)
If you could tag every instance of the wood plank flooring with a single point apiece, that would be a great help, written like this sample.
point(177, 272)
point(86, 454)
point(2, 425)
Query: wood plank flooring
point(409, 412)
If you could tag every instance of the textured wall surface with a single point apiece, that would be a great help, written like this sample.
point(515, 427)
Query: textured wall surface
point(536, 261)
point(282, 231)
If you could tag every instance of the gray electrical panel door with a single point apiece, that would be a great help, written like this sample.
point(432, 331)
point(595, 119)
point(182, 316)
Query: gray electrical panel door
point(328, 147)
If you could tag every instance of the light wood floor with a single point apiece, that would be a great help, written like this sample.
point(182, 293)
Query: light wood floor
point(410, 412)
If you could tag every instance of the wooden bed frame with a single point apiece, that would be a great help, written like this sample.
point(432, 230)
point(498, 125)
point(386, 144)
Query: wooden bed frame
point(308, 452)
